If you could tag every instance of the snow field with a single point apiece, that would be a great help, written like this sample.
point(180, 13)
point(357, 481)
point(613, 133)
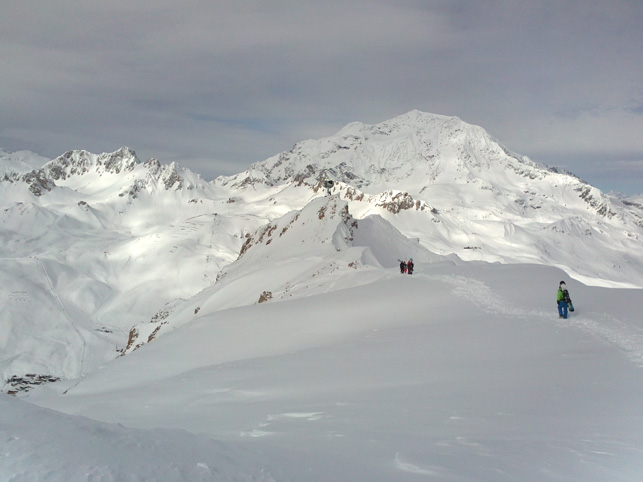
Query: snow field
point(456, 373)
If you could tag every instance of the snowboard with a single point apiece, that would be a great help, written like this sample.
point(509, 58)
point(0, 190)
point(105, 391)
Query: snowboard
point(568, 300)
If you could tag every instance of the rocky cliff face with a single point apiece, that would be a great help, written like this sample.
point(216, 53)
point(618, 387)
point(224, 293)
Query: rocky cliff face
point(78, 163)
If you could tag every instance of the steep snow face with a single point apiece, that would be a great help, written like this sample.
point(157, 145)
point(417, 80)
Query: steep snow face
point(319, 245)
point(333, 230)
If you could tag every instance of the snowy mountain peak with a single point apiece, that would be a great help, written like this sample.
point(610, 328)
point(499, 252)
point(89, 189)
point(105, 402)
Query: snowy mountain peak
point(432, 160)
point(410, 152)
point(118, 173)
point(81, 162)
point(413, 121)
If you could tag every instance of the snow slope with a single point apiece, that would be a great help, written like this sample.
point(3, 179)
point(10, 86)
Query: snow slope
point(353, 371)
point(318, 249)
point(41, 445)
point(459, 372)
point(256, 328)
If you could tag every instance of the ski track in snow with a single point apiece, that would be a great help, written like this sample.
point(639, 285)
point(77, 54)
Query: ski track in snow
point(625, 337)
point(483, 296)
point(614, 331)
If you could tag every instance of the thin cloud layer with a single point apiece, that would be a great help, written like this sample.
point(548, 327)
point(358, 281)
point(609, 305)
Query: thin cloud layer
point(219, 85)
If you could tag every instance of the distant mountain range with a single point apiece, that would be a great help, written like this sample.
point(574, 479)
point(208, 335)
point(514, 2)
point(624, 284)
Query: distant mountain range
point(103, 253)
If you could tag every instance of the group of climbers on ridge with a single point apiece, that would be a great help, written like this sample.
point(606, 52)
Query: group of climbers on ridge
point(406, 266)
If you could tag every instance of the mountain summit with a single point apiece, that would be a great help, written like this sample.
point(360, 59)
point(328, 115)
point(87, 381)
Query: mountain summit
point(408, 152)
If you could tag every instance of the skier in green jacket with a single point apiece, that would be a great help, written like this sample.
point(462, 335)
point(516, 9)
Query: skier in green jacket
point(561, 300)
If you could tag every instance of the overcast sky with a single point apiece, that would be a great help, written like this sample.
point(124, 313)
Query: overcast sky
point(217, 85)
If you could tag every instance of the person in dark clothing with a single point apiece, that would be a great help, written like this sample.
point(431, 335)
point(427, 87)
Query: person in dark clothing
point(410, 266)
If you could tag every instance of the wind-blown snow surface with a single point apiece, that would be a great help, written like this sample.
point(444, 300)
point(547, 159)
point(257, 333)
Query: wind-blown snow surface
point(459, 372)
point(254, 329)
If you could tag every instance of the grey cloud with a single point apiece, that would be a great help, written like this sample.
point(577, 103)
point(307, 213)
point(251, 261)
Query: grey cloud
point(236, 82)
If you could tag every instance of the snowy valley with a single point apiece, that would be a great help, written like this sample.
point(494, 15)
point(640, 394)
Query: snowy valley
point(156, 326)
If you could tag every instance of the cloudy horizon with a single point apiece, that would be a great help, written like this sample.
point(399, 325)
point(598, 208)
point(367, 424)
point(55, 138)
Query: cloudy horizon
point(218, 85)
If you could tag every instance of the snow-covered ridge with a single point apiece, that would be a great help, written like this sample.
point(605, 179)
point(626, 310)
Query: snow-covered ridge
point(314, 250)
